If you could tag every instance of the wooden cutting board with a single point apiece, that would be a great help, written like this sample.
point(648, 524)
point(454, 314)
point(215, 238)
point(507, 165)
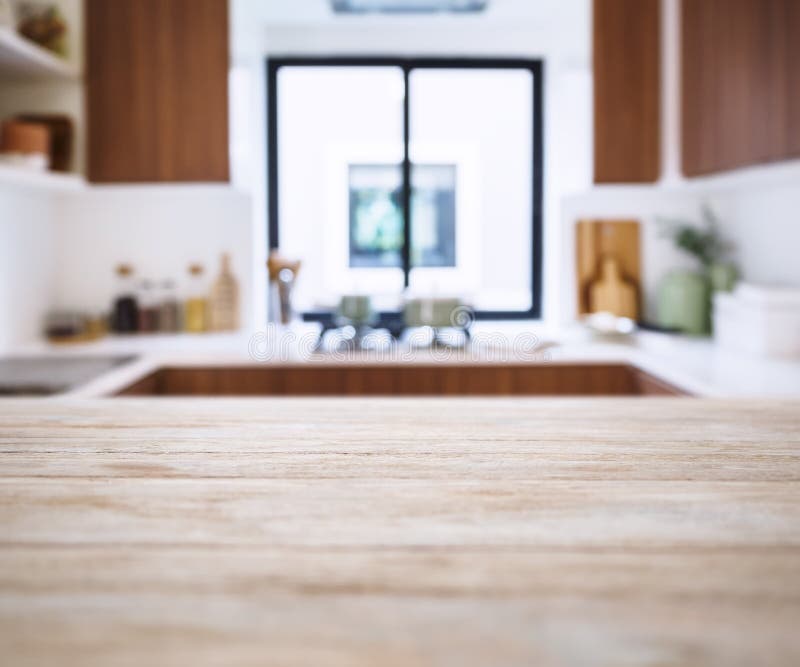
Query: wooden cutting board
point(605, 238)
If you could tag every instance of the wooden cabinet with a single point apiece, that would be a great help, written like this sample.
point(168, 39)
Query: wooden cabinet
point(626, 57)
point(157, 90)
point(740, 83)
point(403, 380)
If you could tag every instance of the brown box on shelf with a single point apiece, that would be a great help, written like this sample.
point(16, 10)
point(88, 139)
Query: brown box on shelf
point(17, 136)
point(61, 137)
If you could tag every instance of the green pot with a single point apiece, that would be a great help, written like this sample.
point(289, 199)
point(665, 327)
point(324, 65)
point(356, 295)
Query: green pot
point(722, 276)
point(684, 303)
point(356, 309)
point(434, 312)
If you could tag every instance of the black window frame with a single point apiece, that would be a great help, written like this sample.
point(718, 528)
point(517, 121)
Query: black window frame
point(407, 64)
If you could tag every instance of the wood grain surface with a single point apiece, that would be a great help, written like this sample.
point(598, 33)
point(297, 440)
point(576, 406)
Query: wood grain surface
point(157, 90)
point(398, 379)
point(369, 531)
point(740, 84)
point(626, 61)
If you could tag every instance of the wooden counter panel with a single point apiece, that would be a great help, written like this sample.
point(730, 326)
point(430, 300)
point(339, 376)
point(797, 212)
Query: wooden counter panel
point(402, 380)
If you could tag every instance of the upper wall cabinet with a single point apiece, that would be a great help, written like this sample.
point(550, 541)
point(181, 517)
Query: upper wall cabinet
point(626, 91)
point(157, 90)
point(740, 70)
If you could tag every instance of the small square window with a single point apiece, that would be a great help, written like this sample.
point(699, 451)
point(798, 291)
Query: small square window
point(376, 216)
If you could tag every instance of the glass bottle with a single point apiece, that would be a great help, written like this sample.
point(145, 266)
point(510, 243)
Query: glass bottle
point(125, 310)
point(223, 302)
point(148, 307)
point(169, 313)
point(195, 318)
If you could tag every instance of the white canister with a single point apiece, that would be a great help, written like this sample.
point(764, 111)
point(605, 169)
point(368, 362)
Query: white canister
point(759, 320)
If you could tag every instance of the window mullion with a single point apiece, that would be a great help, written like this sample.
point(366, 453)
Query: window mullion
point(406, 193)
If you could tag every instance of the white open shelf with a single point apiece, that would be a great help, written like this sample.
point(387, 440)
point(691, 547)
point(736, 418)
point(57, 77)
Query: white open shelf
point(20, 58)
point(34, 178)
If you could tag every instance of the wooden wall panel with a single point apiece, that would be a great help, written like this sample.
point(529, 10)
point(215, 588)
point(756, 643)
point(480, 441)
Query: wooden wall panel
point(410, 380)
point(157, 90)
point(627, 91)
point(740, 97)
point(791, 84)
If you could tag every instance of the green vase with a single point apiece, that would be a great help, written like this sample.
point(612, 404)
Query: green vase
point(722, 276)
point(684, 303)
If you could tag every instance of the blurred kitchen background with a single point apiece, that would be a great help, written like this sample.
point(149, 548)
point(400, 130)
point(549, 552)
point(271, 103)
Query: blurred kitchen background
point(534, 160)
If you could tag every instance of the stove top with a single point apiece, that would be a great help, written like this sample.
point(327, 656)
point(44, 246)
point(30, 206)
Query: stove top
point(44, 376)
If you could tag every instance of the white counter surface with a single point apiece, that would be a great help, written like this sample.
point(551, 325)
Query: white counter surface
point(694, 365)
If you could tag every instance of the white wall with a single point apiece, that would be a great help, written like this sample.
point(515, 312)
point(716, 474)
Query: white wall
point(760, 210)
point(27, 258)
point(247, 107)
point(765, 226)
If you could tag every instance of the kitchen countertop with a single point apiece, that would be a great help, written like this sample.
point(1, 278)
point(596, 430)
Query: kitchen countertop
point(695, 365)
point(399, 531)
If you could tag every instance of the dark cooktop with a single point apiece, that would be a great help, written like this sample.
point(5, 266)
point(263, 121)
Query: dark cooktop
point(43, 376)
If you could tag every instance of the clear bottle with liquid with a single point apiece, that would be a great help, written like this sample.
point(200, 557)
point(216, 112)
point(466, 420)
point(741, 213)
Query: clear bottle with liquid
point(195, 311)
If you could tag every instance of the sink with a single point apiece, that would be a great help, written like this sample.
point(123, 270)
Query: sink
point(45, 376)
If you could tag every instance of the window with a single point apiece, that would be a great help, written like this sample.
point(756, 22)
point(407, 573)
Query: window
point(376, 216)
point(389, 175)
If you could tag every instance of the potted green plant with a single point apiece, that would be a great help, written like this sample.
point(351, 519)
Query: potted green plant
point(685, 296)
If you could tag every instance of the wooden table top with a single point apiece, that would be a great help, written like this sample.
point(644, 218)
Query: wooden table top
point(400, 532)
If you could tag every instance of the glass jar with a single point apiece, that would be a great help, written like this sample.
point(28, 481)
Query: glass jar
point(196, 306)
